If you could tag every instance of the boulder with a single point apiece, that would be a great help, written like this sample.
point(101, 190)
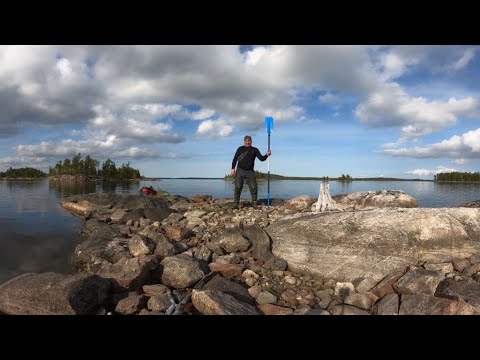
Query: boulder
point(349, 245)
point(375, 199)
point(53, 294)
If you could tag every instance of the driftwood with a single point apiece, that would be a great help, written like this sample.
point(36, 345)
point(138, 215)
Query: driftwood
point(325, 201)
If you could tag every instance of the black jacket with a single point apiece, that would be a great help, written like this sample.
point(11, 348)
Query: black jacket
point(246, 157)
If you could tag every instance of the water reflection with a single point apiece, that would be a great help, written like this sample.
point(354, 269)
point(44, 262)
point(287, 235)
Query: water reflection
point(36, 233)
point(20, 185)
point(67, 188)
point(119, 187)
point(458, 193)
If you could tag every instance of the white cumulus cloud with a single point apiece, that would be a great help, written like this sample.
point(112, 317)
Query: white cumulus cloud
point(214, 128)
point(465, 146)
point(425, 172)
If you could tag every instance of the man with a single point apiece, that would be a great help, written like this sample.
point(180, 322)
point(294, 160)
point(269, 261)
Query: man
point(245, 156)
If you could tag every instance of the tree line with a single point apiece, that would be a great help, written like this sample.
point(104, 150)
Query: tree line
point(264, 176)
point(90, 167)
point(26, 172)
point(457, 176)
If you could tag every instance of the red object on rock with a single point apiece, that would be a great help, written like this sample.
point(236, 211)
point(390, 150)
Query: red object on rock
point(148, 190)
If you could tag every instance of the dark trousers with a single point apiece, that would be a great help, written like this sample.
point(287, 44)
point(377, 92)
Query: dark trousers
point(251, 181)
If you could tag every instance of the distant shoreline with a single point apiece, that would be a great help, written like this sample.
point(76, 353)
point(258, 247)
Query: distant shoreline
point(261, 179)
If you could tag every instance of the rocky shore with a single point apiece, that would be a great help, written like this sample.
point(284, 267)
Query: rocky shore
point(163, 255)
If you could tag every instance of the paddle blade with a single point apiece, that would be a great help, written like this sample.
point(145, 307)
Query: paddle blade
point(269, 124)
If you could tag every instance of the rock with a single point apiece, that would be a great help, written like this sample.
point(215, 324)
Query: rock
point(460, 264)
point(358, 300)
point(234, 288)
point(276, 263)
point(140, 245)
point(348, 310)
point(155, 289)
point(227, 270)
point(418, 281)
point(181, 271)
point(53, 294)
point(385, 287)
point(160, 302)
point(266, 297)
point(444, 268)
point(422, 304)
point(229, 241)
point(349, 245)
point(204, 253)
point(261, 245)
point(388, 305)
point(131, 304)
point(129, 274)
point(210, 302)
point(300, 203)
point(269, 309)
point(92, 249)
point(466, 289)
point(375, 199)
point(364, 284)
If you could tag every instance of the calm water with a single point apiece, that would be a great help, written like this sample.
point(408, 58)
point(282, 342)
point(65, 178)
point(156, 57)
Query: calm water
point(38, 235)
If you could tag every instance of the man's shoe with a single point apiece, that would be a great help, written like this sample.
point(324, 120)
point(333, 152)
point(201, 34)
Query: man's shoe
point(236, 206)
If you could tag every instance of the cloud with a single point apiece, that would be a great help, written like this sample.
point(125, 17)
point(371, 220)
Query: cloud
point(134, 127)
point(465, 146)
point(39, 86)
point(68, 148)
point(392, 106)
point(156, 109)
point(459, 161)
point(421, 172)
point(127, 97)
point(425, 172)
point(214, 128)
point(392, 65)
point(20, 162)
point(242, 88)
point(327, 98)
point(203, 114)
point(398, 60)
point(466, 58)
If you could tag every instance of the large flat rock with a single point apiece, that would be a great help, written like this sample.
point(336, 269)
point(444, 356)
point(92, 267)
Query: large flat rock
point(349, 245)
point(53, 294)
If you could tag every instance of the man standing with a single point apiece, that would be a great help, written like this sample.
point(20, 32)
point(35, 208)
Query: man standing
point(245, 156)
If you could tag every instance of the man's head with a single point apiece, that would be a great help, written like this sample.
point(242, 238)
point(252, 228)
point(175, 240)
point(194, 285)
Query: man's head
point(247, 140)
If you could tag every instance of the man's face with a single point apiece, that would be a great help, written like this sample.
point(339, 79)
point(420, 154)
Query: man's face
point(248, 142)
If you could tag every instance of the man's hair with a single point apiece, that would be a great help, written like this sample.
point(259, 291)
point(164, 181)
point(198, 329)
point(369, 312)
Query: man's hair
point(247, 137)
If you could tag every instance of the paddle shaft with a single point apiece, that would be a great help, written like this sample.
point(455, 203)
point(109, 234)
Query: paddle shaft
point(268, 175)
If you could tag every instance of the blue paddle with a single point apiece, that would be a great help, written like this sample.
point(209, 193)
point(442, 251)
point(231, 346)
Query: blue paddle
point(269, 128)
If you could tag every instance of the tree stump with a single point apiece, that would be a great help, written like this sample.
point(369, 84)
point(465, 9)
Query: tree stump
point(325, 201)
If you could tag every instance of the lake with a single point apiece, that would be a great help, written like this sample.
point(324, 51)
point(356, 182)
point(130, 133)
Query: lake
point(38, 235)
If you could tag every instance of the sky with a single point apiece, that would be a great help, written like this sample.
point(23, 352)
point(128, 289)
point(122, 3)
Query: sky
point(182, 111)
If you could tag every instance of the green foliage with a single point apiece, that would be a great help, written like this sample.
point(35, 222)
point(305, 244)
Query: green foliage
point(26, 172)
point(89, 167)
point(207, 208)
point(457, 176)
point(127, 172)
point(345, 178)
point(108, 169)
